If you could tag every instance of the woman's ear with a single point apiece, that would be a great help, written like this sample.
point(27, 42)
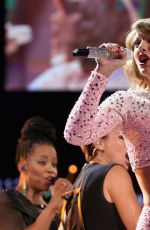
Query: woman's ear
point(99, 145)
point(22, 166)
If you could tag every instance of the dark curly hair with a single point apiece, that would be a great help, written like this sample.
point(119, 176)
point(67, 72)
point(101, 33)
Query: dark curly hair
point(36, 130)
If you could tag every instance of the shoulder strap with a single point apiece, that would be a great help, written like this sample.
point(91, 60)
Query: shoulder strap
point(80, 210)
point(66, 196)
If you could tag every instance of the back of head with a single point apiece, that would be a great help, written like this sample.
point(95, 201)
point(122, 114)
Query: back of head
point(142, 26)
point(89, 152)
point(36, 130)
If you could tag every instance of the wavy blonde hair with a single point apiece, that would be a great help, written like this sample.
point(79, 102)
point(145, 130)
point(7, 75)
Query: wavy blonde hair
point(131, 70)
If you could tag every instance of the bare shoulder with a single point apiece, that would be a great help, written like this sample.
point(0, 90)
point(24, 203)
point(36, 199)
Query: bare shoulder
point(118, 176)
point(119, 190)
point(118, 170)
point(118, 181)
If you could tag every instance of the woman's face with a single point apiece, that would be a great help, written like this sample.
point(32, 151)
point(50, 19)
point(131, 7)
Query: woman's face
point(41, 167)
point(142, 54)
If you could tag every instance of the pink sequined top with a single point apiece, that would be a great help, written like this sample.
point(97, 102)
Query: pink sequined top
point(127, 110)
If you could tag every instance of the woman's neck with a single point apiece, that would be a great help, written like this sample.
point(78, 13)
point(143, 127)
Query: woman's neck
point(99, 161)
point(34, 196)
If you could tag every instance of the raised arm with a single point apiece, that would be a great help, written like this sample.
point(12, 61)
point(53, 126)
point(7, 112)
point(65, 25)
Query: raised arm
point(88, 121)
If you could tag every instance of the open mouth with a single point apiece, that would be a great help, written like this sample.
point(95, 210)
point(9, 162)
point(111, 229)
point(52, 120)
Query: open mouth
point(143, 58)
point(52, 180)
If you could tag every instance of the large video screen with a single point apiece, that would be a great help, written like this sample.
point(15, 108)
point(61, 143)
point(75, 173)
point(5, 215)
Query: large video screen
point(41, 35)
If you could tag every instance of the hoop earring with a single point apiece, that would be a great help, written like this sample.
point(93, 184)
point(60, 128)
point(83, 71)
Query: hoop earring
point(94, 153)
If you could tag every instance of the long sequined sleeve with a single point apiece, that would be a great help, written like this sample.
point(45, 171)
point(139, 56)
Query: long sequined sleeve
point(88, 121)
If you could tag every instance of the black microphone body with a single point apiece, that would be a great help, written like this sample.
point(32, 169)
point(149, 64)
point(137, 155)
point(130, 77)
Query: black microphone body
point(98, 52)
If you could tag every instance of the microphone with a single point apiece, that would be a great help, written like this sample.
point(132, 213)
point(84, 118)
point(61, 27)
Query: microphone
point(98, 52)
point(53, 180)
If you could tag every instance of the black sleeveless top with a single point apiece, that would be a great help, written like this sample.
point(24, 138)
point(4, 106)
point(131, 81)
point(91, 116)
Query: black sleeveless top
point(17, 212)
point(97, 212)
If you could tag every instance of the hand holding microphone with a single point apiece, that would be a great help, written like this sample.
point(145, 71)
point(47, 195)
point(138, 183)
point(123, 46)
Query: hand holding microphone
point(102, 52)
point(108, 56)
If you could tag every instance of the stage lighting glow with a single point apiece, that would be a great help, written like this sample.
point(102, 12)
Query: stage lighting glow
point(73, 169)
